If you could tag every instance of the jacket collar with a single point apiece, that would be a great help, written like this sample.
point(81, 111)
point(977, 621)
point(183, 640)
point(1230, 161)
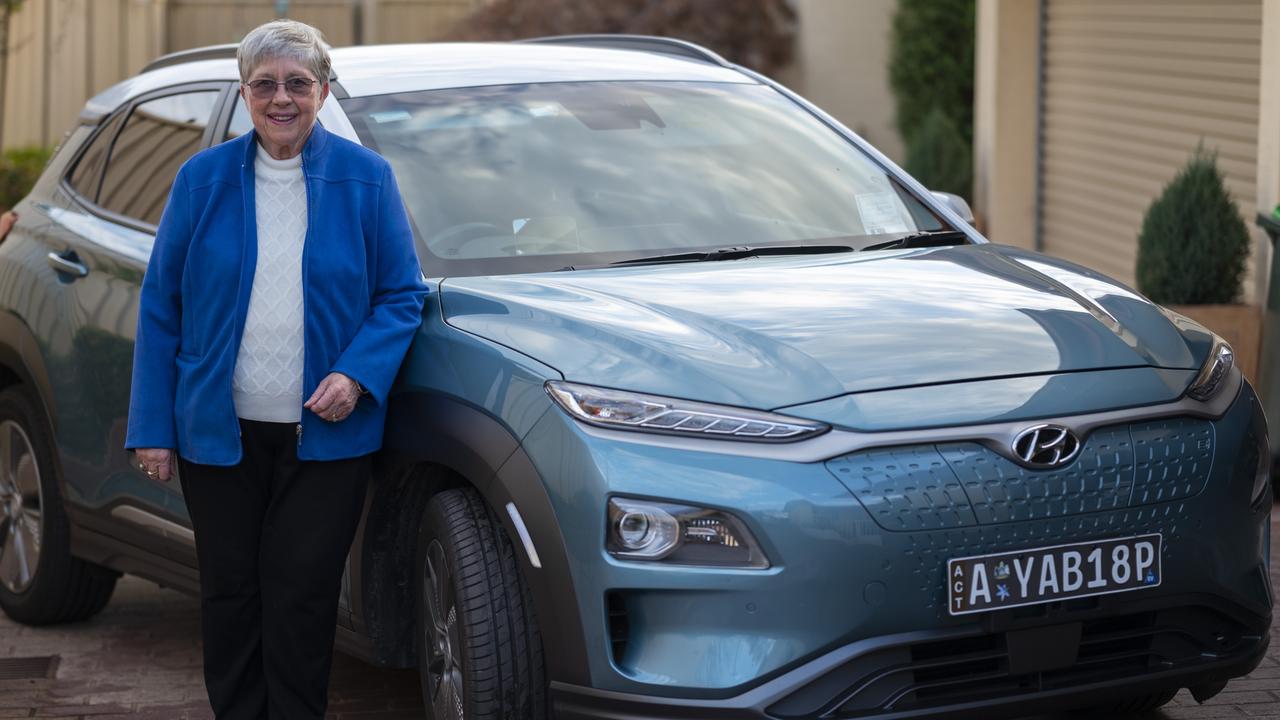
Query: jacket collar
point(311, 152)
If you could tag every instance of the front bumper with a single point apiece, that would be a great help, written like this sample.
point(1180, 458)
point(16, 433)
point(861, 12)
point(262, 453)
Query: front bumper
point(954, 675)
point(851, 618)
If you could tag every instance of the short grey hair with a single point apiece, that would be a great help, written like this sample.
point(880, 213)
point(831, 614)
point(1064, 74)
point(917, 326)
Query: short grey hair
point(284, 39)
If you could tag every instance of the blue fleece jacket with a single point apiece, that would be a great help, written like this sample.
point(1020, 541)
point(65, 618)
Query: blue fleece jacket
point(362, 299)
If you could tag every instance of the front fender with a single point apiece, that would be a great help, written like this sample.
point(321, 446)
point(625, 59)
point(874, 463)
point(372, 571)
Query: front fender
point(434, 443)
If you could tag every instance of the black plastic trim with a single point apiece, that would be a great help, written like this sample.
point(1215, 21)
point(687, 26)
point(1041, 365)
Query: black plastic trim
point(578, 702)
point(428, 427)
point(641, 43)
point(552, 585)
point(20, 354)
point(130, 559)
point(226, 51)
point(435, 440)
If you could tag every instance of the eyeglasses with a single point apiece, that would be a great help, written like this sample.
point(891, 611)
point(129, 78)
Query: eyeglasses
point(265, 89)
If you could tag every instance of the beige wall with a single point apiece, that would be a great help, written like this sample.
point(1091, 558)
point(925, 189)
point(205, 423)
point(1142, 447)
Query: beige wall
point(402, 21)
point(62, 52)
point(1267, 186)
point(1006, 118)
point(65, 51)
point(842, 64)
point(195, 23)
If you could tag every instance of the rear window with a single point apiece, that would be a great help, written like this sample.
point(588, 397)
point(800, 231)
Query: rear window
point(157, 138)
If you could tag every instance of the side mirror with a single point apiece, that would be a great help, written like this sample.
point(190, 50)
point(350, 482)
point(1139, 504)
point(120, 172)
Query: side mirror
point(957, 205)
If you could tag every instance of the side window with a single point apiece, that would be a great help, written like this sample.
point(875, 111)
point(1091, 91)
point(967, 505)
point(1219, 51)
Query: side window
point(240, 122)
point(87, 174)
point(156, 139)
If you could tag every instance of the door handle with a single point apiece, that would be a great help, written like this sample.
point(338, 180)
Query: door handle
point(68, 264)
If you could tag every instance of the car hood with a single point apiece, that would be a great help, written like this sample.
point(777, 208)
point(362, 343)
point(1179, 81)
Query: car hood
point(772, 332)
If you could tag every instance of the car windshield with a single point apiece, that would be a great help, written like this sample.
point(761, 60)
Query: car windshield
point(528, 178)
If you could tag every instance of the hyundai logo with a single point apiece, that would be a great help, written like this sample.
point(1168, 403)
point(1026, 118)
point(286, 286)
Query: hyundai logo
point(1046, 446)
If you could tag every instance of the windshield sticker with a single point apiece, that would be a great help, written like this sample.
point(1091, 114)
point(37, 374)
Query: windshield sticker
point(879, 212)
point(544, 110)
point(390, 116)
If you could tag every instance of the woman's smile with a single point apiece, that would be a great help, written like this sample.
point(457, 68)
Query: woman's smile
point(284, 119)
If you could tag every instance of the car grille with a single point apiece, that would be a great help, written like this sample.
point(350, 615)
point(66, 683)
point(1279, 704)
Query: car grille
point(939, 673)
point(966, 484)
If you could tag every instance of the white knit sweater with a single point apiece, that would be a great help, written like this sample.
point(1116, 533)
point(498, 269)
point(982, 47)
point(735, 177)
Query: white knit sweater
point(267, 384)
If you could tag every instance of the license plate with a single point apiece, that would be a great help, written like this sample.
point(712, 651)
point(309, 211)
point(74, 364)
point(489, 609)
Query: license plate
point(983, 583)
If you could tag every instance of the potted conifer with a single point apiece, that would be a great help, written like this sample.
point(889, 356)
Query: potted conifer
point(1192, 251)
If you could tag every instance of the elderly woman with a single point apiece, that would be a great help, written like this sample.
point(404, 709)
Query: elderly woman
point(282, 294)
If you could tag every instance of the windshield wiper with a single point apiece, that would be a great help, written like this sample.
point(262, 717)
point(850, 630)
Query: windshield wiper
point(928, 239)
point(736, 253)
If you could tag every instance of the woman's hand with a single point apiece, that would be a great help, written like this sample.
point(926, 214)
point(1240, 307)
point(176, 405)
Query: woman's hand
point(335, 397)
point(7, 221)
point(157, 463)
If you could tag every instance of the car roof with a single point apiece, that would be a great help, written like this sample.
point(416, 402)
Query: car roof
point(381, 69)
point(376, 70)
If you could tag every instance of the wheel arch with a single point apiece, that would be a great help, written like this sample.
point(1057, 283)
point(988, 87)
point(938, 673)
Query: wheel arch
point(22, 363)
point(433, 443)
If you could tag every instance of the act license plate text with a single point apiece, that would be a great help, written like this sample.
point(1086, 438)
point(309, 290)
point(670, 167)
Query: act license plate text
point(1040, 575)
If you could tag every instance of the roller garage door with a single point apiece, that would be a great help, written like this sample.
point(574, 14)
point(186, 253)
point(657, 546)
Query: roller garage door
point(1129, 88)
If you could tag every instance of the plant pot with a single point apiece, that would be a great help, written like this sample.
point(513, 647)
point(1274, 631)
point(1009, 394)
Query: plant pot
point(1240, 325)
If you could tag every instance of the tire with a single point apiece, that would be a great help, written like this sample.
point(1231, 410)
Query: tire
point(469, 590)
point(1135, 706)
point(41, 584)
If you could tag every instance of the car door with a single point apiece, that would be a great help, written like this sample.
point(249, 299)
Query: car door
point(101, 228)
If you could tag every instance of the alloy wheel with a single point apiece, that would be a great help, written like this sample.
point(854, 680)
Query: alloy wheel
point(443, 641)
point(21, 505)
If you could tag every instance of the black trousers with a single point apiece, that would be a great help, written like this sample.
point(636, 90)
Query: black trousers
point(272, 536)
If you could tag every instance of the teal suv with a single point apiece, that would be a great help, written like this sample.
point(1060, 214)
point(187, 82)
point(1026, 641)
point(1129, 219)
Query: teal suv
point(713, 412)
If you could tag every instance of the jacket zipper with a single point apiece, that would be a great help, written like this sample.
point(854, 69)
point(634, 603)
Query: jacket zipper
point(239, 331)
point(306, 244)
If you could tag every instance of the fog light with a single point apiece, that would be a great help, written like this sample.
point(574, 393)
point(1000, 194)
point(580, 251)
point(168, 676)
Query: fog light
point(643, 530)
point(635, 530)
point(680, 534)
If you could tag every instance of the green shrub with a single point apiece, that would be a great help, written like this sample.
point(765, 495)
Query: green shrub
point(19, 169)
point(1193, 244)
point(939, 155)
point(931, 67)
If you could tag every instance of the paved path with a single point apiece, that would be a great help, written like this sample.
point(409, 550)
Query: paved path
point(140, 660)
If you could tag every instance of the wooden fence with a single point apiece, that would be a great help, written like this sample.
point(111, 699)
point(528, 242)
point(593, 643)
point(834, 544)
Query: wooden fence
point(61, 52)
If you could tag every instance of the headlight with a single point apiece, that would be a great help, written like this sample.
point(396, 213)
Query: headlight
point(1214, 372)
point(680, 534)
point(650, 413)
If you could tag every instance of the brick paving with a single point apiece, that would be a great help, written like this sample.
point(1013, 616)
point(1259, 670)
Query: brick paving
point(140, 660)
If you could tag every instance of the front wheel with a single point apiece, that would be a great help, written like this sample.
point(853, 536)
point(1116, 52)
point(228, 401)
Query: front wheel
point(479, 651)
